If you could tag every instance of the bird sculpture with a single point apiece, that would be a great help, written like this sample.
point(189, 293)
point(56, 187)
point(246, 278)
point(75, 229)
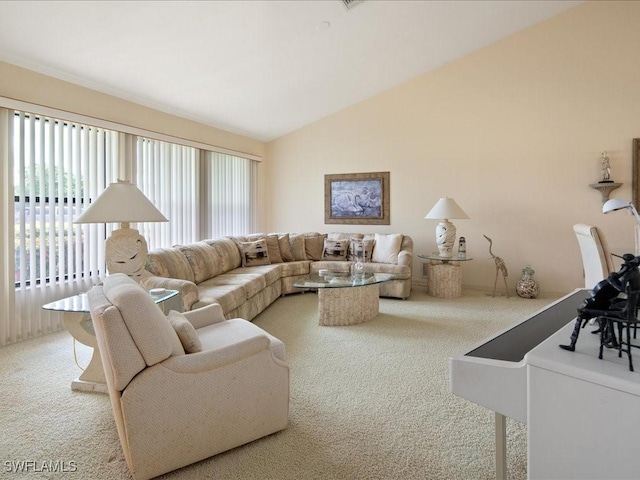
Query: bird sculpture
point(501, 267)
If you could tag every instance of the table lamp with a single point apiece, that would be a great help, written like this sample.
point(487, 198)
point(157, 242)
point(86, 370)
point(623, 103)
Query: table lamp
point(445, 209)
point(616, 204)
point(122, 202)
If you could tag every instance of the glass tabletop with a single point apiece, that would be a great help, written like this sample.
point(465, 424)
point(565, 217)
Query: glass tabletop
point(341, 280)
point(80, 303)
point(453, 258)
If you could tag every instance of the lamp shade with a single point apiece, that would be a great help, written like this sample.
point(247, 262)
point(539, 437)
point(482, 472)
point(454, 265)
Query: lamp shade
point(446, 208)
point(121, 202)
point(614, 204)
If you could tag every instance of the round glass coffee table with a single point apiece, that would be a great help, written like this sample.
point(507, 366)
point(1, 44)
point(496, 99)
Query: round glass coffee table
point(343, 299)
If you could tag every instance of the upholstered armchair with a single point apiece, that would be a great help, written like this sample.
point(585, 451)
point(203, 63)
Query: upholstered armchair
point(187, 386)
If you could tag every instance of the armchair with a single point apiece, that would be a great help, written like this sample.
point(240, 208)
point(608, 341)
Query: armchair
point(174, 408)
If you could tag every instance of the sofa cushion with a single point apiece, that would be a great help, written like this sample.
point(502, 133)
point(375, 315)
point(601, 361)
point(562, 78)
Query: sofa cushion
point(313, 246)
point(203, 260)
point(386, 248)
point(254, 253)
point(285, 248)
point(252, 281)
point(335, 249)
point(186, 333)
point(228, 254)
point(296, 240)
point(273, 247)
point(229, 297)
point(270, 273)
point(169, 263)
point(291, 269)
point(354, 244)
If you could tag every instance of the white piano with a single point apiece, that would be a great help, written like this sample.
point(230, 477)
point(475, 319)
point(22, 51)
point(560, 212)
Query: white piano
point(494, 373)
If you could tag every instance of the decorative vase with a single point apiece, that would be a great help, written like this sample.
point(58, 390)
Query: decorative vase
point(527, 287)
point(357, 268)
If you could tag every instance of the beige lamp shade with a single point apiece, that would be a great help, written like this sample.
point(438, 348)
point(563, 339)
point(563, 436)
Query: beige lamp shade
point(121, 202)
point(444, 209)
point(125, 250)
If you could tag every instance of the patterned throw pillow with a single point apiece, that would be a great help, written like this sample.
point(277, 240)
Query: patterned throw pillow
point(355, 244)
point(335, 249)
point(254, 253)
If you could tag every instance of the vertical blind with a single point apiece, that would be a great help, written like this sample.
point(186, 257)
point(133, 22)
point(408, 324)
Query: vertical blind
point(50, 171)
point(168, 174)
point(230, 186)
point(57, 167)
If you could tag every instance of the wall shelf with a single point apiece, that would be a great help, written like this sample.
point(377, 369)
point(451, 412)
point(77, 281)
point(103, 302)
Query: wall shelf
point(605, 189)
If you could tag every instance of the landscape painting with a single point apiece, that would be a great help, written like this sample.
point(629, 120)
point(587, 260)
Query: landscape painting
point(357, 198)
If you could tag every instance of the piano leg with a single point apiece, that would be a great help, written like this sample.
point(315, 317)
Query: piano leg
point(501, 446)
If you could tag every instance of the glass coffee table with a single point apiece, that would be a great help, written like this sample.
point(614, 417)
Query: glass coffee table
point(343, 299)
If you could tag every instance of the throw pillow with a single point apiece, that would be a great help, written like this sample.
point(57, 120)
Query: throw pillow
point(354, 243)
point(274, 249)
point(386, 248)
point(313, 246)
point(297, 246)
point(186, 333)
point(285, 248)
point(254, 253)
point(335, 249)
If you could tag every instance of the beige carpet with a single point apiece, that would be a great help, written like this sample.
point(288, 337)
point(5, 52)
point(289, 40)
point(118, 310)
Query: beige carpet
point(368, 401)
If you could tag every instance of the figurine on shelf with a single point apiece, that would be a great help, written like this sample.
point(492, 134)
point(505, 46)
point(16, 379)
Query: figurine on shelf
point(605, 168)
point(501, 267)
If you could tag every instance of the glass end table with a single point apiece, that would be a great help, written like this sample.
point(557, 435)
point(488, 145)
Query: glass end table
point(444, 275)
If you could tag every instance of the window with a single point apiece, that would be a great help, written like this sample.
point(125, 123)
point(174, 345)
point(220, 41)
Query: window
point(51, 169)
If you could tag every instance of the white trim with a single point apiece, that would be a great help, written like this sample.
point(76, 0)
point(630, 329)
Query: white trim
point(120, 127)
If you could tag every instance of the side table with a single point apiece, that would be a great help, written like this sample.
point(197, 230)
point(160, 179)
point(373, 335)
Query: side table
point(444, 275)
point(77, 321)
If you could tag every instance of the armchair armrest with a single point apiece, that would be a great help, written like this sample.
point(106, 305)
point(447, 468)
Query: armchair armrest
point(203, 316)
point(405, 256)
point(211, 359)
point(188, 290)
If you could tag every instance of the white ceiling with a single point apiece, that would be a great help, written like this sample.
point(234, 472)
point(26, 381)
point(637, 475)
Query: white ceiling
point(257, 68)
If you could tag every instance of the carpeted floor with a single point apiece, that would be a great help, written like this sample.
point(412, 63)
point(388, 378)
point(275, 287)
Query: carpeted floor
point(368, 401)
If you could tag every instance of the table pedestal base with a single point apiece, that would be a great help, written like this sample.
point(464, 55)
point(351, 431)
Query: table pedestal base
point(444, 280)
point(92, 379)
point(348, 306)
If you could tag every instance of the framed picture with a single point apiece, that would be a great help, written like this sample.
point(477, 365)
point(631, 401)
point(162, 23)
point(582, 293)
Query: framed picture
point(635, 172)
point(357, 198)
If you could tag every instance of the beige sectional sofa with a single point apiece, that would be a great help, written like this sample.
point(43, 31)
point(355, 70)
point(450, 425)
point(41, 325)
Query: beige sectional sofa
point(246, 274)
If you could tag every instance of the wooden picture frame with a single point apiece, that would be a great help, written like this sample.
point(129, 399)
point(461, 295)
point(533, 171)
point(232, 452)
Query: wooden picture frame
point(357, 198)
point(635, 173)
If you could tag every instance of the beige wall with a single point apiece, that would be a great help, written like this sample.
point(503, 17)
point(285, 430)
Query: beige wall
point(513, 132)
point(28, 86)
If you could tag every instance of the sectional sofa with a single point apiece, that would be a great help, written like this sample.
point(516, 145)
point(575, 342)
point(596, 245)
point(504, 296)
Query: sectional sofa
point(246, 274)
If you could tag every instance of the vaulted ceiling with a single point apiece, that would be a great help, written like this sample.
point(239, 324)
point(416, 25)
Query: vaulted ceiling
point(257, 68)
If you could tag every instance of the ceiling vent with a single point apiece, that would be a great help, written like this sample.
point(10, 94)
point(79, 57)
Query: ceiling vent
point(350, 4)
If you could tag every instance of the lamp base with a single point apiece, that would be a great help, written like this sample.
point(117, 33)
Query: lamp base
point(126, 252)
point(445, 238)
